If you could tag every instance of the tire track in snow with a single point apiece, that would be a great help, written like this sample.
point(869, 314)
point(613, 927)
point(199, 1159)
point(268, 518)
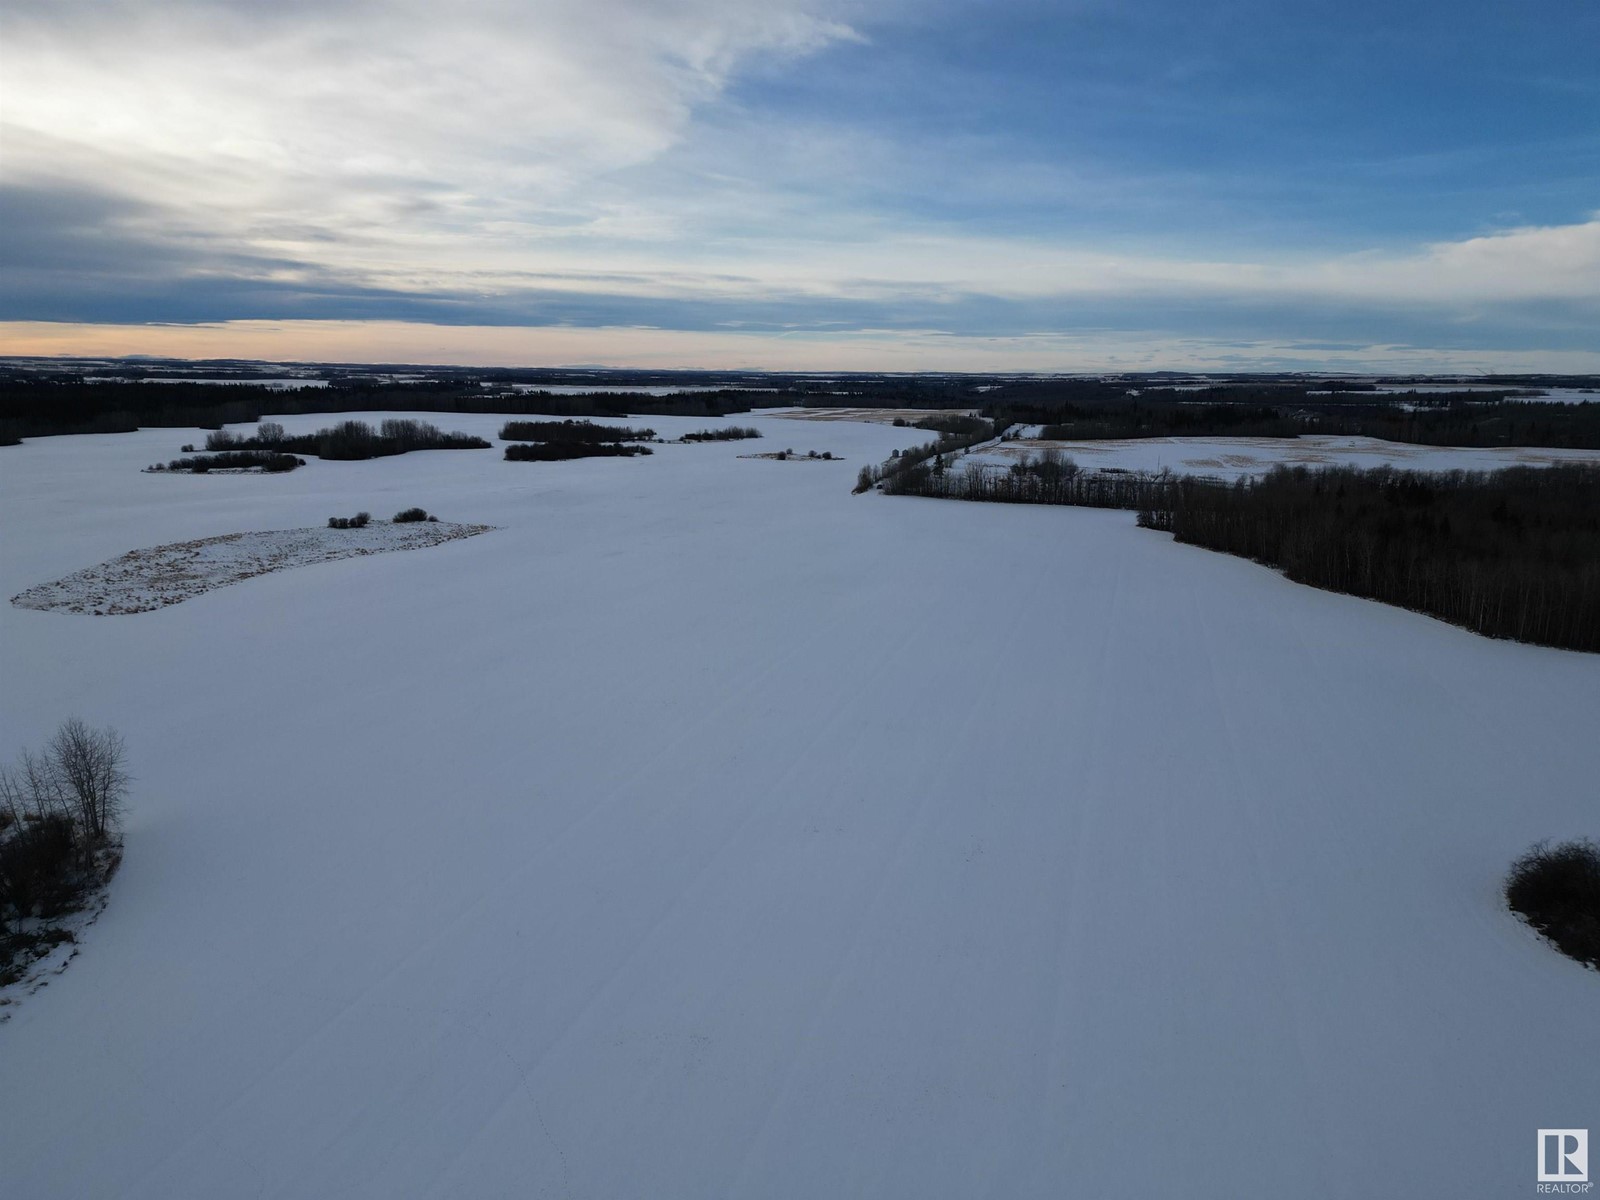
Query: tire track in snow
point(751, 813)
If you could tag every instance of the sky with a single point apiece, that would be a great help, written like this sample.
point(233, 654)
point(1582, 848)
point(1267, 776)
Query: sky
point(806, 184)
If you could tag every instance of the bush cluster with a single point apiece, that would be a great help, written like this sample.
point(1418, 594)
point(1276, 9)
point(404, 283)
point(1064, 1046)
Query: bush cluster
point(356, 522)
point(785, 455)
point(60, 813)
point(407, 515)
point(1556, 889)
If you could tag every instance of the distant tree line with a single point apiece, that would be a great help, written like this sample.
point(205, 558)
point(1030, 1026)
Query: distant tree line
point(37, 404)
point(951, 423)
point(623, 404)
point(1427, 420)
point(32, 407)
point(1143, 420)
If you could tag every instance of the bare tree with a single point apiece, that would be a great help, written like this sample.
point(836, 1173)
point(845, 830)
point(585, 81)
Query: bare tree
point(33, 790)
point(89, 764)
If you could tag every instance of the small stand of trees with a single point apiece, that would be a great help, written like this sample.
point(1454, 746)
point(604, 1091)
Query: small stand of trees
point(553, 441)
point(269, 461)
point(60, 836)
point(558, 451)
point(733, 433)
point(572, 432)
point(349, 440)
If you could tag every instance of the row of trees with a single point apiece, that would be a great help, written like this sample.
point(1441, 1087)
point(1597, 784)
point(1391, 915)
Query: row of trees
point(60, 832)
point(729, 433)
point(1051, 478)
point(901, 474)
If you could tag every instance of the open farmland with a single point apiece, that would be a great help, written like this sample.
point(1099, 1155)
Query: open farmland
point(1233, 457)
point(709, 830)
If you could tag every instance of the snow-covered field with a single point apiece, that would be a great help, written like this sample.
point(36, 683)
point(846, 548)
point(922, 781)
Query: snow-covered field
point(1231, 458)
point(709, 831)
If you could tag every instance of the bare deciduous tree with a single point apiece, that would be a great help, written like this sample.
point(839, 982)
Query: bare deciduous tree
point(89, 764)
point(58, 823)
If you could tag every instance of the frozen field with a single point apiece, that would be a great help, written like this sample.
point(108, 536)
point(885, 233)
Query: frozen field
point(1231, 458)
point(706, 830)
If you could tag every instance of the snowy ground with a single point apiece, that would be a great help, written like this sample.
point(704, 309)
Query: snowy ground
point(1231, 458)
point(710, 831)
point(155, 576)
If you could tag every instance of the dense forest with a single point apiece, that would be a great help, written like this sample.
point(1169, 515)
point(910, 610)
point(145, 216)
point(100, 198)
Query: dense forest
point(1433, 420)
point(1512, 553)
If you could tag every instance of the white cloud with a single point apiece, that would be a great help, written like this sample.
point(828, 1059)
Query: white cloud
point(359, 116)
point(491, 148)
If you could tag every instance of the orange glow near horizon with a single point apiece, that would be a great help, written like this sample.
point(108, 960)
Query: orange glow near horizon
point(667, 349)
